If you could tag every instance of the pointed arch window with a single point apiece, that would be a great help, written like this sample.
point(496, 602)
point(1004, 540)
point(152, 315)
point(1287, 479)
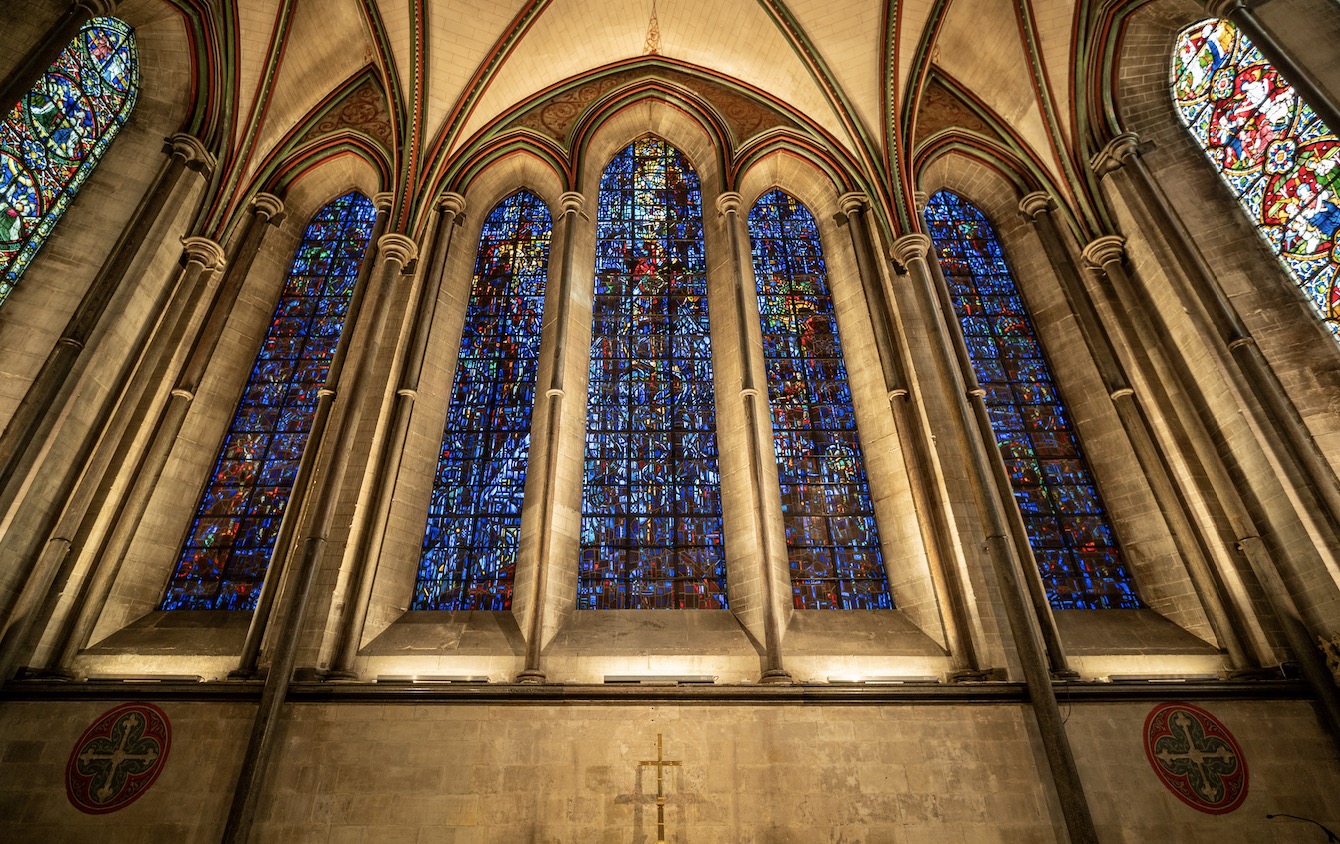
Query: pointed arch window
point(474, 518)
point(53, 138)
point(1279, 159)
point(829, 519)
point(651, 531)
point(1068, 529)
point(223, 563)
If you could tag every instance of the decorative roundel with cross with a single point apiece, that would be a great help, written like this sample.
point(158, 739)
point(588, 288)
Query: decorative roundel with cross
point(117, 758)
point(1196, 757)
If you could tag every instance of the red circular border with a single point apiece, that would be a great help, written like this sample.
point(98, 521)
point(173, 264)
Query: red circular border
point(141, 784)
point(1213, 726)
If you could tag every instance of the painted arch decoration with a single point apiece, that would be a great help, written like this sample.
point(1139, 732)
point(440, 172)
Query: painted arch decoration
point(54, 137)
point(1279, 159)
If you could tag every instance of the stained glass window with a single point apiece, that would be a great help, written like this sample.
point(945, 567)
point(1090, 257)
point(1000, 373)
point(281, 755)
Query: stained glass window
point(651, 501)
point(474, 519)
point(831, 538)
point(1278, 158)
point(1068, 528)
point(223, 563)
point(54, 137)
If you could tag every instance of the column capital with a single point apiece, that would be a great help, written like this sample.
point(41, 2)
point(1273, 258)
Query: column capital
point(191, 151)
point(572, 202)
point(1104, 250)
point(853, 203)
point(1114, 154)
point(729, 202)
point(267, 205)
point(910, 247)
point(398, 248)
point(920, 199)
point(203, 251)
point(383, 200)
point(96, 8)
point(451, 202)
point(1223, 8)
point(1035, 204)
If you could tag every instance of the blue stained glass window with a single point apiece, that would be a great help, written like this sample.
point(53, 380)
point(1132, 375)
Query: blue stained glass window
point(54, 137)
point(651, 534)
point(474, 519)
point(1279, 159)
point(222, 565)
point(1068, 528)
point(831, 538)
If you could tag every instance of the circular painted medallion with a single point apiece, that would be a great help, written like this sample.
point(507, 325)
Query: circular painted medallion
point(1196, 757)
point(117, 758)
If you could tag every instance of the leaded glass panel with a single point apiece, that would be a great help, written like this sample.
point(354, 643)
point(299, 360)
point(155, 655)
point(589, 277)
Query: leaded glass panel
point(1074, 545)
point(651, 533)
point(474, 518)
point(54, 137)
point(831, 538)
point(223, 563)
point(1281, 162)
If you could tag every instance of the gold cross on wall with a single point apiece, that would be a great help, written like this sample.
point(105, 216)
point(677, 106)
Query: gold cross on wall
point(661, 764)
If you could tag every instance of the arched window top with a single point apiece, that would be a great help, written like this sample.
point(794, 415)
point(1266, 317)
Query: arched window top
point(223, 563)
point(468, 560)
point(1279, 159)
point(829, 520)
point(1074, 545)
point(54, 137)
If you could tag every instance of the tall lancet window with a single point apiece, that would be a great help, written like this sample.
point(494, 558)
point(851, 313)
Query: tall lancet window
point(53, 138)
point(1281, 162)
point(651, 500)
point(1068, 529)
point(222, 565)
point(831, 538)
point(474, 518)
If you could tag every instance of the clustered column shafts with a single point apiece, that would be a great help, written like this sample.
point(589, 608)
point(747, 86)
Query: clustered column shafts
point(532, 672)
point(23, 438)
point(386, 466)
point(1202, 295)
point(311, 453)
point(1192, 544)
point(148, 469)
point(728, 204)
point(34, 65)
point(1105, 254)
point(394, 252)
point(53, 563)
point(1025, 629)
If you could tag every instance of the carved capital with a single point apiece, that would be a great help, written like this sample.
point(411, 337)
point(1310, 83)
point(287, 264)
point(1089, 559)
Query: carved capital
point(853, 203)
point(919, 200)
point(398, 248)
point(267, 205)
point(910, 247)
point(383, 200)
point(191, 151)
point(1104, 250)
point(572, 202)
point(1035, 204)
point(1113, 156)
point(203, 251)
point(1224, 8)
point(451, 202)
point(729, 202)
point(96, 8)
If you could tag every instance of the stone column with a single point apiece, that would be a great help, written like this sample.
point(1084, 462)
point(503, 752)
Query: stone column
point(728, 204)
point(54, 564)
point(1201, 293)
point(34, 65)
point(302, 481)
point(1293, 70)
point(395, 251)
point(147, 471)
point(23, 439)
point(386, 465)
point(1193, 545)
point(532, 671)
point(924, 477)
